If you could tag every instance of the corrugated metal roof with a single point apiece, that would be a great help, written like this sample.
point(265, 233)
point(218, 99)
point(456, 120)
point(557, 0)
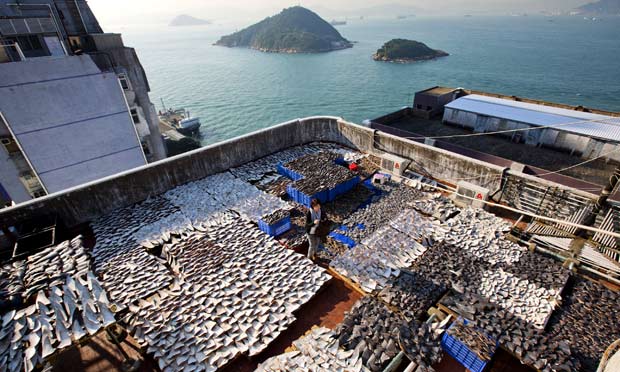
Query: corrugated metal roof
point(70, 119)
point(599, 126)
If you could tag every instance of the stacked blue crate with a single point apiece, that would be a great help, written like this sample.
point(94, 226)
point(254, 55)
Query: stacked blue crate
point(288, 172)
point(341, 161)
point(323, 196)
point(277, 228)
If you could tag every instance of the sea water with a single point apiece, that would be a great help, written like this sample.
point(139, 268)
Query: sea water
point(235, 91)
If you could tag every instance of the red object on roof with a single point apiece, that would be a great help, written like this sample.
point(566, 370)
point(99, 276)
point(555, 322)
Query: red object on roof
point(353, 167)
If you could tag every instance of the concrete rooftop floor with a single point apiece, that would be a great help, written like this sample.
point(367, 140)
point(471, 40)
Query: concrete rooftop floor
point(326, 309)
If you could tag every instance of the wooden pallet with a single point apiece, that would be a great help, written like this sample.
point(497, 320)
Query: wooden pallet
point(292, 347)
point(446, 309)
point(348, 282)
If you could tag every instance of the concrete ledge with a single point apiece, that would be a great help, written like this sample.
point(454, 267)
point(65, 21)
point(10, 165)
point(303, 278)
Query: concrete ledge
point(86, 202)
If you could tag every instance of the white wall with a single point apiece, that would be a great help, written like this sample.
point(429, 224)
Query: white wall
point(552, 138)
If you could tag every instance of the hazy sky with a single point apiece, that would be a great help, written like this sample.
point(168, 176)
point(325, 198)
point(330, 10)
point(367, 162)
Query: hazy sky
point(118, 12)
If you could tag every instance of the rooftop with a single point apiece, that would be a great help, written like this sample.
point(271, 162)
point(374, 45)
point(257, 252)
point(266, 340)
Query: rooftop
point(438, 91)
point(501, 151)
point(183, 263)
point(583, 123)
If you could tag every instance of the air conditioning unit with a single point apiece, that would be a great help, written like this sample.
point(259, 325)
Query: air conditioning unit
point(394, 164)
point(466, 191)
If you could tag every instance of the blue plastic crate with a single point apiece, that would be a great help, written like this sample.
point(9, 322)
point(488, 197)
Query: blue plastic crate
point(349, 185)
point(296, 176)
point(304, 199)
point(461, 353)
point(343, 239)
point(334, 193)
point(281, 170)
point(323, 196)
point(301, 198)
point(341, 161)
point(292, 192)
point(277, 228)
point(368, 184)
point(288, 173)
point(342, 188)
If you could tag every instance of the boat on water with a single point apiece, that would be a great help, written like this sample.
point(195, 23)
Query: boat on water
point(338, 23)
point(181, 120)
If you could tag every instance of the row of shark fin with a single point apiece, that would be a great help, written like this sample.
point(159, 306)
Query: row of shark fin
point(22, 279)
point(317, 351)
point(219, 288)
point(258, 170)
point(238, 290)
point(61, 315)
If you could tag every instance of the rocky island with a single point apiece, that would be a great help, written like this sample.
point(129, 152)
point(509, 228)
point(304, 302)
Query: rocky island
point(404, 51)
point(294, 30)
point(600, 8)
point(187, 20)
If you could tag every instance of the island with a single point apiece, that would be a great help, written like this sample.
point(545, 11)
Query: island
point(294, 30)
point(404, 51)
point(600, 8)
point(187, 20)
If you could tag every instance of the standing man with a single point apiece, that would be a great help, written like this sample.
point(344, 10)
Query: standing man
point(314, 217)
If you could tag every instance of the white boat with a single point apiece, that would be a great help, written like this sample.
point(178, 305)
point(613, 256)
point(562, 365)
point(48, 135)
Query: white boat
point(188, 124)
point(181, 120)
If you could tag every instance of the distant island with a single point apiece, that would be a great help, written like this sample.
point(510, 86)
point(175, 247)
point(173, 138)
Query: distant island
point(601, 7)
point(404, 51)
point(294, 30)
point(187, 20)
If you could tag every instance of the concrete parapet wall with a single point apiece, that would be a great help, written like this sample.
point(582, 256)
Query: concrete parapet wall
point(442, 164)
point(83, 203)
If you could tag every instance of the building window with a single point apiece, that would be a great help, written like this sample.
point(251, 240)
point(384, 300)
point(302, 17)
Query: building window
point(38, 194)
point(124, 82)
point(135, 116)
point(9, 145)
point(146, 149)
point(29, 43)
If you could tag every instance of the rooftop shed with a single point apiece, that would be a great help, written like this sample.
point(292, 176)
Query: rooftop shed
point(430, 102)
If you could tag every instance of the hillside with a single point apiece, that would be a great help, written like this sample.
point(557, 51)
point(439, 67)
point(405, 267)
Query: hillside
point(402, 50)
point(187, 20)
point(294, 30)
point(602, 7)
